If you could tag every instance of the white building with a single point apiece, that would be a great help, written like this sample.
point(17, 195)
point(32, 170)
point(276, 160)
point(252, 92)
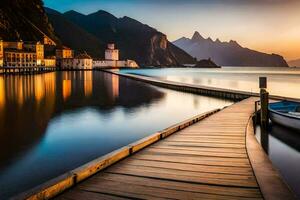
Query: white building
point(111, 53)
point(82, 61)
point(112, 59)
point(114, 64)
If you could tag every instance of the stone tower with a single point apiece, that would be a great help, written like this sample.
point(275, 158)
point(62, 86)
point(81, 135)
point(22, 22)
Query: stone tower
point(111, 53)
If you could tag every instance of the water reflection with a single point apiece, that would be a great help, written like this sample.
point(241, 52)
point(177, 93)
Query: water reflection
point(281, 81)
point(283, 148)
point(51, 123)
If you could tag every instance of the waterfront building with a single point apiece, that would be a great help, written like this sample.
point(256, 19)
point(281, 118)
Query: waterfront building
point(82, 61)
point(19, 58)
point(13, 45)
point(111, 53)
point(112, 59)
point(50, 61)
point(62, 54)
point(1, 53)
point(48, 41)
point(22, 54)
point(114, 63)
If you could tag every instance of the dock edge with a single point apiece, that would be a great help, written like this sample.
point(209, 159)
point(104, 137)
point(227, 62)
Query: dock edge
point(63, 182)
point(272, 185)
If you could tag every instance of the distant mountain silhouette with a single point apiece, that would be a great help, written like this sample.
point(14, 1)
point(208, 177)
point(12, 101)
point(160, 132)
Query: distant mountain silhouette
point(206, 63)
point(74, 36)
point(294, 63)
point(135, 40)
point(227, 53)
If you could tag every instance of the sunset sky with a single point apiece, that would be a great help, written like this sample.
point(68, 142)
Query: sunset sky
point(271, 26)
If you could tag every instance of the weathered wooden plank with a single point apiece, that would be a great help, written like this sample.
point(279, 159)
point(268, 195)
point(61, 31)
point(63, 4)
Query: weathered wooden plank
point(86, 195)
point(206, 144)
point(207, 160)
point(189, 167)
point(189, 187)
point(148, 192)
point(207, 140)
point(196, 153)
point(230, 162)
point(201, 149)
point(186, 176)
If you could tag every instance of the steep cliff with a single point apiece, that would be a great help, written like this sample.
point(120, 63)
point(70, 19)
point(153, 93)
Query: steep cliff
point(135, 40)
point(228, 53)
point(24, 20)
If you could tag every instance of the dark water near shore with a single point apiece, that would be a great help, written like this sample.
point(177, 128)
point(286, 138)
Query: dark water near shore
point(283, 148)
point(51, 123)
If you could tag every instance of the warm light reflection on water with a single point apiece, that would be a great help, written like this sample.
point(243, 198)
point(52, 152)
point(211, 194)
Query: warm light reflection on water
point(281, 81)
point(54, 122)
point(67, 89)
point(2, 94)
point(88, 83)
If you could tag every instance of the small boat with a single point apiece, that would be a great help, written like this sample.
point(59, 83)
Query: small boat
point(285, 113)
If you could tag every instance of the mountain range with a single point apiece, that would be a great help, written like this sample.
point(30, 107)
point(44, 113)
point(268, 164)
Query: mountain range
point(227, 53)
point(29, 21)
point(135, 40)
point(294, 63)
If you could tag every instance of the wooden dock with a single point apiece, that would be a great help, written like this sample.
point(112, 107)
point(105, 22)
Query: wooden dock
point(207, 160)
point(232, 94)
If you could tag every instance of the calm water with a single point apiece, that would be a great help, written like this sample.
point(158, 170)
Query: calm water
point(283, 145)
point(283, 148)
point(51, 123)
point(281, 81)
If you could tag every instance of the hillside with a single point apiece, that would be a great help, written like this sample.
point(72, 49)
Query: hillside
point(135, 40)
point(74, 36)
point(227, 53)
point(294, 63)
point(19, 19)
point(206, 63)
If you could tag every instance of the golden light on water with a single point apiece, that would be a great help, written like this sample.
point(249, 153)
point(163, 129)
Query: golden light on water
point(2, 93)
point(20, 94)
point(115, 86)
point(67, 89)
point(88, 83)
point(39, 89)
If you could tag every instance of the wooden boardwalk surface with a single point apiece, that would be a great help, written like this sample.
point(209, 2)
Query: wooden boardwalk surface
point(207, 160)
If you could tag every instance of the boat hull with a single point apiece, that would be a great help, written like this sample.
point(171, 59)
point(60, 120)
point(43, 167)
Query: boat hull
point(285, 120)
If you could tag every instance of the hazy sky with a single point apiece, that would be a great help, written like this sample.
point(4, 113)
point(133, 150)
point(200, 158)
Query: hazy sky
point(272, 26)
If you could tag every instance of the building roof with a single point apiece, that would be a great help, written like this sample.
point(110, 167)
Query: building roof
point(63, 48)
point(83, 56)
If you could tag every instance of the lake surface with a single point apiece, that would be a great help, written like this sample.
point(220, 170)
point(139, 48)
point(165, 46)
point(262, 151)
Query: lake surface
point(283, 147)
point(54, 122)
point(281, 81)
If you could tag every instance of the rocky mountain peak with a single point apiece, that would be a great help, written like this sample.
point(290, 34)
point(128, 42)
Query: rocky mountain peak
point(197, 36)
point(234, 43)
